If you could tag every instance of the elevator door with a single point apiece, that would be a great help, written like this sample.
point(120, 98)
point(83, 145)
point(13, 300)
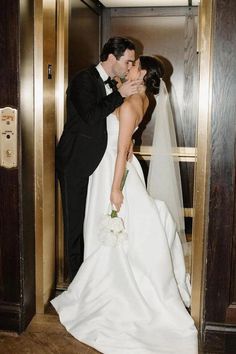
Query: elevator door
point(170, 33)
point(78, 38)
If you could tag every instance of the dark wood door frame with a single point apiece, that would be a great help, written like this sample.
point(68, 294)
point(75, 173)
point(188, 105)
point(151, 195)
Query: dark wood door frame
point(17, 256)
point(220, 290)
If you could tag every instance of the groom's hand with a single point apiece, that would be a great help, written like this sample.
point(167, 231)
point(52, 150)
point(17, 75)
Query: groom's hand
point(129, 88)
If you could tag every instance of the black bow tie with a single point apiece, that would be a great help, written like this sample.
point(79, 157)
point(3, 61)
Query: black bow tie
point(112, 83)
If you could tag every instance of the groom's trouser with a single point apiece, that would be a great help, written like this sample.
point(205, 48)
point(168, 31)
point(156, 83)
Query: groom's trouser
point(74, 192)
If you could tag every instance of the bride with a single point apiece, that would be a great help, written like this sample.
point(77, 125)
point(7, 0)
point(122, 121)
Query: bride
point(130, 294)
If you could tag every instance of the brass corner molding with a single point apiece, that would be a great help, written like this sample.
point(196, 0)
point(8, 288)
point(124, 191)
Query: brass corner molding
point(202, 164)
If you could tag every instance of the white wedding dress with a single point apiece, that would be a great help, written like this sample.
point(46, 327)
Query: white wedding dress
point(129, 297)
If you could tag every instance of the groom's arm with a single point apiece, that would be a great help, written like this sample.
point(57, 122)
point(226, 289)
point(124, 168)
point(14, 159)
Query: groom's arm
point(86, 95)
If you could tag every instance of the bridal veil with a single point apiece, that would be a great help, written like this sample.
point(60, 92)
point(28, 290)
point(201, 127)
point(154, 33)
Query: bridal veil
point(164, 181)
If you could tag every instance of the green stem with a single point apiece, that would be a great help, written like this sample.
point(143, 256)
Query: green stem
point(114, 212)
point(124, 179)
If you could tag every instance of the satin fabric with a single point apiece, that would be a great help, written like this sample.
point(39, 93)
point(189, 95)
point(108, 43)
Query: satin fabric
point(131, 298)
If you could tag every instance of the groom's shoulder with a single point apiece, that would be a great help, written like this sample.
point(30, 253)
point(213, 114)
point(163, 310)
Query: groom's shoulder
point(90, 72)
point(83, 78)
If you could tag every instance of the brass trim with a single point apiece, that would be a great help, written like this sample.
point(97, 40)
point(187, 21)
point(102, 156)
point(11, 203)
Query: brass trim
point(38, 138)
point(186, 159)
point(180, 151)
point(201, 197)
point(44, 133)
point(188, 212)
point(61, 85)
point(182, 154)
point(178, 158)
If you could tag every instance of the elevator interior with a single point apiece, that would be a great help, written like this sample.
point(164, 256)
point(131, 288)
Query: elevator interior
point(73, 33)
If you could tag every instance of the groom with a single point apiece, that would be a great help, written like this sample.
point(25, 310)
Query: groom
point(91, 97)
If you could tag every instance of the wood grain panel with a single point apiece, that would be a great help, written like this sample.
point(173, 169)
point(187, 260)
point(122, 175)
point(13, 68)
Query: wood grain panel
point(9, 178)
point(84, 28)
point(9, 29)
point(16, 222)
point(220, 292)
point(219, 340)
point(190, 97)
point(169, 33)
point(27, 163)
point(105, 25)
point(187, 178)
point(9, 240)
point(231, 310)
point(164, 37)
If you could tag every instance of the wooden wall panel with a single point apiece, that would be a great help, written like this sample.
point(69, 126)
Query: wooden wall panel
point(9, 178)
point(173, 38)
point(9, 46)
point(26, 87)
point(220, 309)
point(84, 41)
point(16, 222)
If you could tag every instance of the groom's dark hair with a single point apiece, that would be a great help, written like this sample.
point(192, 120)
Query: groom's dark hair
point(116, 46)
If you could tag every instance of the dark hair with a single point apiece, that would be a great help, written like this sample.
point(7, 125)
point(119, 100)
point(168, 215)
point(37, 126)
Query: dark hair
point(155, 71)
point(116, 46)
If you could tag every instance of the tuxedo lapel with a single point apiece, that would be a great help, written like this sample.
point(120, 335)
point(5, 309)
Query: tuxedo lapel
point(99, 80)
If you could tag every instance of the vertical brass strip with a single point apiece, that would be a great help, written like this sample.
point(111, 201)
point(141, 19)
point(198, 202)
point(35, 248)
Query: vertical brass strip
point(38, 151)
point(44, 133)
point(201, 198)
point(61, 85)
point(49, 56)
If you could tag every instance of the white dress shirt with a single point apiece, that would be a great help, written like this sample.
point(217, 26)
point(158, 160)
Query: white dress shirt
point(104, 77)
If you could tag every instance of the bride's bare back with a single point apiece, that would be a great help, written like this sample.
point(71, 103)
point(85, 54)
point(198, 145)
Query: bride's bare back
point(130, 114)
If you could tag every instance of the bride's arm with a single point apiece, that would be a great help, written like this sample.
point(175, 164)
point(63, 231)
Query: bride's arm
point(128, 117)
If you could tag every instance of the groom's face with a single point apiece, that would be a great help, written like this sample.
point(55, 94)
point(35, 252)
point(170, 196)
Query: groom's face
point(122, 66)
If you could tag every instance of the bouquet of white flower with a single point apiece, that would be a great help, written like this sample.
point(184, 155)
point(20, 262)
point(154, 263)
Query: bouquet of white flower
point(112, 232)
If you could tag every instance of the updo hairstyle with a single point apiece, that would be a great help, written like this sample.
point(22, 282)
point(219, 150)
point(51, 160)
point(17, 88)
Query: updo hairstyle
point(155, 72)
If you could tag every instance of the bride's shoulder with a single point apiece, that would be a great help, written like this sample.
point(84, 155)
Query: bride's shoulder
point(131, 108)
point(129, 104)
point(132, 102)
point(134, 99)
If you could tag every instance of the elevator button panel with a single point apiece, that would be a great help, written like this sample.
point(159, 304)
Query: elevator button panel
point(8, 137)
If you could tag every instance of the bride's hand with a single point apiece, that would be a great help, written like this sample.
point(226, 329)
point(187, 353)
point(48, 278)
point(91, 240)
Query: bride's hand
point(116, 199)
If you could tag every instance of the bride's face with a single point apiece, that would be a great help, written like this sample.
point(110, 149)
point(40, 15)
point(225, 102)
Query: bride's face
point(136, 73)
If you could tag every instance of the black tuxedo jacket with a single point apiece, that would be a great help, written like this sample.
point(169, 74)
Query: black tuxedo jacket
point(84, 139)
